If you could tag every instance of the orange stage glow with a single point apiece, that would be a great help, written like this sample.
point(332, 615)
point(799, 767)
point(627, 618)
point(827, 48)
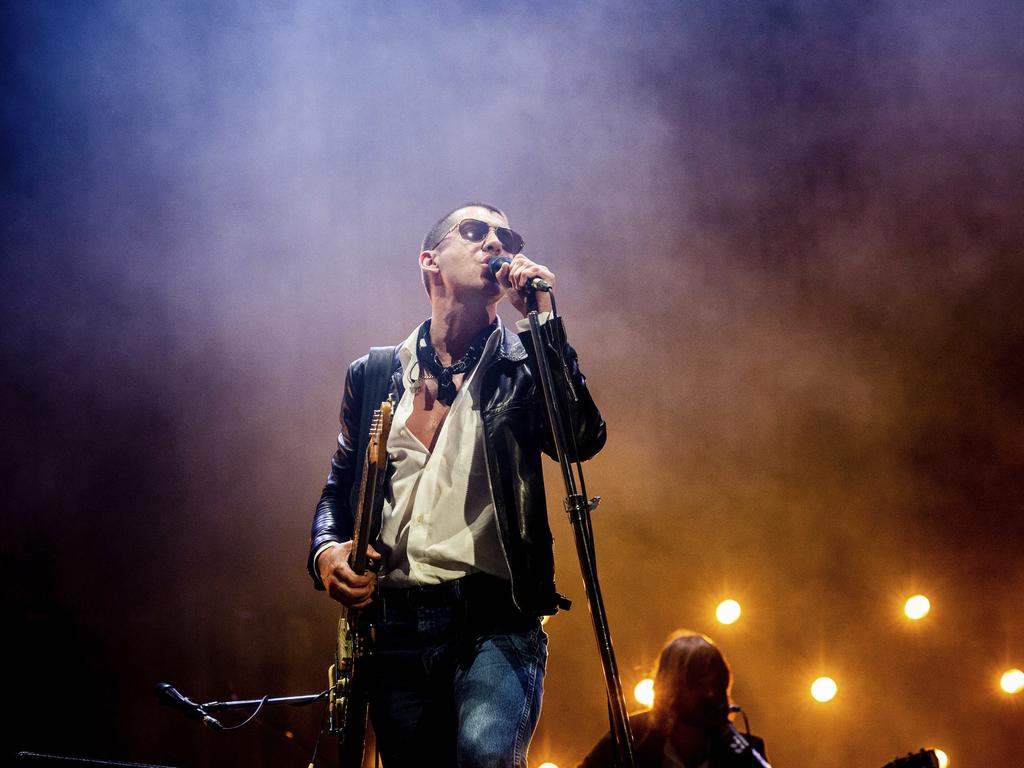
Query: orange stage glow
point(917, 607)
point(824, 689)
point(1012, 681)
point(643, 692)
point(728, 612)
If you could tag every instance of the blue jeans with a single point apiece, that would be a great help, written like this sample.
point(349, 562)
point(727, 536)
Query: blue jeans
point(454, 682)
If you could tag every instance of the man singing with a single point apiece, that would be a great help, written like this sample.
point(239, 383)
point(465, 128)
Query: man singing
point(464, 545)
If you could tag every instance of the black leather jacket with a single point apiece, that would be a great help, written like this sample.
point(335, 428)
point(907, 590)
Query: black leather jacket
point(515, 432)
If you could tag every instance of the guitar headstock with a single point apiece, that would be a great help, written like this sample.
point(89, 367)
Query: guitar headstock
point(926, 758)
point(380, 427)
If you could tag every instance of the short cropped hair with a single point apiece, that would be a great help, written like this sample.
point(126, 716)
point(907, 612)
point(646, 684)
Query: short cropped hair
point(430, 242)
point(445, 223)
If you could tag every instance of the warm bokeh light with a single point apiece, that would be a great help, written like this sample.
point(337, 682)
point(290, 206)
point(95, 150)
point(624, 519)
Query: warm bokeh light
point(549, 765)
point(942, 756)
point(824, 689)
point(644, 692)
point(727, 612)
point(1012, 681)
point(917, 607)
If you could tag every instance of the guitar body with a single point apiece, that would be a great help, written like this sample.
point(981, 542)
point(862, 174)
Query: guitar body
point(349, 701)
point(354, 648)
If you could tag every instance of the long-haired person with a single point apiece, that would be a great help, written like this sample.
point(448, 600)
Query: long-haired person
point(688, 726)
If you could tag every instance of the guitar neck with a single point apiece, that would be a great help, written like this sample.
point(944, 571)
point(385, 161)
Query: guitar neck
point(371, 485)
point(361, 532)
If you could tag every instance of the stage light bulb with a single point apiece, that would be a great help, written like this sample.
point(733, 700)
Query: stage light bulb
point(1012, 681)
point(549, 765)
point(824, 689)
point(727, 612)
point(644, 692)
point(917, 607)
point(942, 756)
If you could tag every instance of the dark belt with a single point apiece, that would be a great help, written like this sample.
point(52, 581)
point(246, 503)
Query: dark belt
point(475, 588)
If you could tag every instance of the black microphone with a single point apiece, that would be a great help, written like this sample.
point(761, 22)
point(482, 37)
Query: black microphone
point(534, 284)
point(170, 696)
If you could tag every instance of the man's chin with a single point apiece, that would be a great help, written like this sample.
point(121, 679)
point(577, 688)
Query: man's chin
point(487, 289)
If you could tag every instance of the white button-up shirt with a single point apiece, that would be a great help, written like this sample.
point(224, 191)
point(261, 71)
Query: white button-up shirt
point(438, 520)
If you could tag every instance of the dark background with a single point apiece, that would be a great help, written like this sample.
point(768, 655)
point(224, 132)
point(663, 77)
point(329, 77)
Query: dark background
point(788, 242)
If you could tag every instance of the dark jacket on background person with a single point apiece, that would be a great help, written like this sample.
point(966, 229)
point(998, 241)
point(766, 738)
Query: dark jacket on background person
point(649, 745)
point(516, 431)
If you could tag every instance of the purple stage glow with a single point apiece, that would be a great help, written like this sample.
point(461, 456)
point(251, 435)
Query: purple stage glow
point(787, 237)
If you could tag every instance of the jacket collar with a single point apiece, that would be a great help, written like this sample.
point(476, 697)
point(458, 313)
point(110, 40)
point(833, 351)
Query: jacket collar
point(510, 348)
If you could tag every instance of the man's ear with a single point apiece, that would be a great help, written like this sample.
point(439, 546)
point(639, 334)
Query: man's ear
point(428, 261)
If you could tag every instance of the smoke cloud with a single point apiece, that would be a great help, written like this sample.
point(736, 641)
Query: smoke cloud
point(787, 242)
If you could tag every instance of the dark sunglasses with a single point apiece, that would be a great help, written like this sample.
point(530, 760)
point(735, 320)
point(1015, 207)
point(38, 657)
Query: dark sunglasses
point(475, 231)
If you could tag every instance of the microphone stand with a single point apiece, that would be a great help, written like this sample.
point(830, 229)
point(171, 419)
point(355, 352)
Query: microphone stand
point(579, 509)
point(172, 698)
point(294, 701)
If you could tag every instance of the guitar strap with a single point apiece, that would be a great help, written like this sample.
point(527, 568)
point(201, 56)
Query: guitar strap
point(380, 365)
